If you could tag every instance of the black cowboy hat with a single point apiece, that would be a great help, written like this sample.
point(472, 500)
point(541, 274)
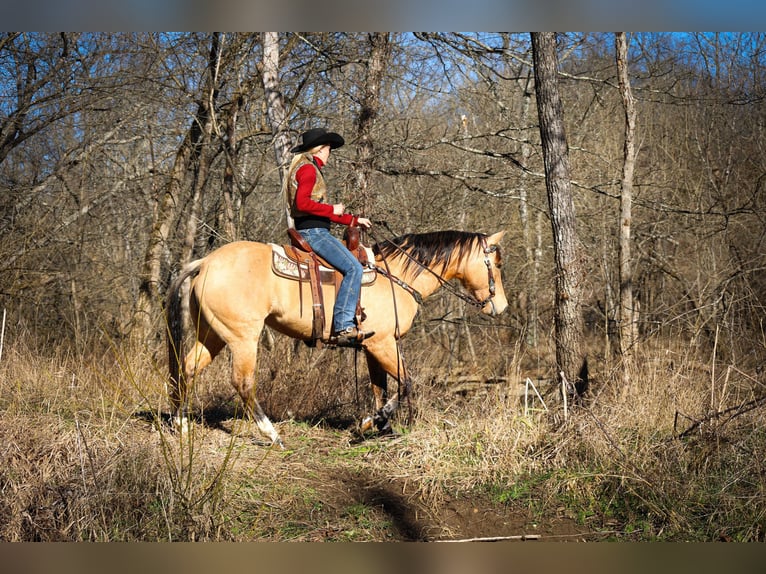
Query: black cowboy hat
point(318, 136)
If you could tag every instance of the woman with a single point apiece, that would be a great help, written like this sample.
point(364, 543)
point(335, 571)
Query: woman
point(306, 196)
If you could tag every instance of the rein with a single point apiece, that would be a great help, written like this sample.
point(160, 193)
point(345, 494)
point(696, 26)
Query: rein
point(397, 331)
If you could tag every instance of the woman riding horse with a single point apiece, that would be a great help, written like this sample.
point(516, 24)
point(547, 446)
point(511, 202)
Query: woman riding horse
point(306, 195)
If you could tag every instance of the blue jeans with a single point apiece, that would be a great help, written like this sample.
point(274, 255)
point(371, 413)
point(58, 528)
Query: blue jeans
point(330, 248)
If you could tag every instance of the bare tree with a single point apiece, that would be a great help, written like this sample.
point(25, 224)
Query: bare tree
point(529, 294)
point(275, 102)
point(568, 289)
point(187, 161)
point(379, 52)
point(627, 312)
point(49, 73)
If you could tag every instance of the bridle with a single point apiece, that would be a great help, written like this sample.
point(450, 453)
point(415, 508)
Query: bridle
point(471, 300)
point(488, 249)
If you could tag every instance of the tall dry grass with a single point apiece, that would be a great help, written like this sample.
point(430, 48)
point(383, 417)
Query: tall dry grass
point(82, 456)
point(672, 455)
point(85, 453)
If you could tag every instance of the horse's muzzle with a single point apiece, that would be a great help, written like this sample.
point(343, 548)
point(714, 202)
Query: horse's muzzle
point(492, 309)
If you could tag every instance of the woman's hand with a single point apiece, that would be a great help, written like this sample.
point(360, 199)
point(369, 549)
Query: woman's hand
point(364, 222)
point(338, 209)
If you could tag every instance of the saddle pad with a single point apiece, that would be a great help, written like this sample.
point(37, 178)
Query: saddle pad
point(283, 266)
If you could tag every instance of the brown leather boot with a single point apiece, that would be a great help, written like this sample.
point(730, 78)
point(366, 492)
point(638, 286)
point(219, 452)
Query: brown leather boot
point(350, 337)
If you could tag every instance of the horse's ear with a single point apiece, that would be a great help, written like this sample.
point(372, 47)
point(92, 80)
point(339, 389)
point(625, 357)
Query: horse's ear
point(496, 238)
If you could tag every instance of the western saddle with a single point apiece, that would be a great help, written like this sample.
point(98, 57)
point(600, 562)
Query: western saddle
point(300, 251)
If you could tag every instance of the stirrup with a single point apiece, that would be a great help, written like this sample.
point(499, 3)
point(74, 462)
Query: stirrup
point(350, 337)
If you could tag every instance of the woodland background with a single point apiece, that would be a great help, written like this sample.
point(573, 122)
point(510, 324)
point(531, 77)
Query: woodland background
point(122, 156)
point(98, 128)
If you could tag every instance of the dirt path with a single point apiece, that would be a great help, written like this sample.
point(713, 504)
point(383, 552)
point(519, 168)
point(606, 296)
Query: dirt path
point(328, 488)
point(461, 517)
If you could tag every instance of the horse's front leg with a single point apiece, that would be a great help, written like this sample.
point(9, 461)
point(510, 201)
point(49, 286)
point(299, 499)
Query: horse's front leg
point(380, 365)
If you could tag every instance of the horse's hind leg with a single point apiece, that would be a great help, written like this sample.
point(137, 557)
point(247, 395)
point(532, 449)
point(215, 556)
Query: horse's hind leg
point(244, 364)
point(201, 355)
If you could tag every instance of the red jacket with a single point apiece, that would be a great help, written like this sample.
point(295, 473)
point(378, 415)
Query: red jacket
point(306, 179)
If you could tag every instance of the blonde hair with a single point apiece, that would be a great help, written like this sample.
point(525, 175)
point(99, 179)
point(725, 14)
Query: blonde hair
point(296, 158)
point(286, 178)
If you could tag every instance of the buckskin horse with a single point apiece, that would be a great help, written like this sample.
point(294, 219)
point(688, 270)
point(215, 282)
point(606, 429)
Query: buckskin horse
point(235, 292)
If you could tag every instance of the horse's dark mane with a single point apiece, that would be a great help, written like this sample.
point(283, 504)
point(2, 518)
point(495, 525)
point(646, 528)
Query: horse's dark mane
point(428, 249)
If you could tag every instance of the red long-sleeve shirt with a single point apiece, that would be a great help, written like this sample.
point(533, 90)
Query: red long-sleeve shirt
point(306, 179)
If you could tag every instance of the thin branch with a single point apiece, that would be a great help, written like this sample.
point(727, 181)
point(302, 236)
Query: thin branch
point(737, 410)
point(520, 537)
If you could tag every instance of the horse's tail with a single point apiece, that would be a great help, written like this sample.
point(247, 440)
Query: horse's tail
point(174, 319)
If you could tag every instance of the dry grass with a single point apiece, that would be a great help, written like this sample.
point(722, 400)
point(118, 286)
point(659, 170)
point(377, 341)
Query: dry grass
point(84, 454)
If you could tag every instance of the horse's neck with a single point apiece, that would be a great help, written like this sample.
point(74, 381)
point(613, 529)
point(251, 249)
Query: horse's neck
point(428, 280)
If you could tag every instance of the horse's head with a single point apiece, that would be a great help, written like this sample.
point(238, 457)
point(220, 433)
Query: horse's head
point(483, 278)
point(472, 258)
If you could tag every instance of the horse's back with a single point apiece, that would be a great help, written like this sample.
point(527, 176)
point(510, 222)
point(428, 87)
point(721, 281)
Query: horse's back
point(237, 250)
point(237, 257)
point(234, 279)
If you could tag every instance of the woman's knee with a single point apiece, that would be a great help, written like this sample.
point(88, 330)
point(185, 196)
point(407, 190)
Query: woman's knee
point(355, 270)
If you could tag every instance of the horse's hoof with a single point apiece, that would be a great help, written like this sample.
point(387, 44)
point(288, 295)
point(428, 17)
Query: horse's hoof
point(366, 425)
point(277, 442)
point(179, 425)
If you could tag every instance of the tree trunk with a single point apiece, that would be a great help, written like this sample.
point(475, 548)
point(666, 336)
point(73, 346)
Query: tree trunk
point(380, 49)
point(147, 301)
point(627, 323)
point(529, 300)
point(230, 208)
point(275, 103)
point(568, 316)
point(205, 153)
